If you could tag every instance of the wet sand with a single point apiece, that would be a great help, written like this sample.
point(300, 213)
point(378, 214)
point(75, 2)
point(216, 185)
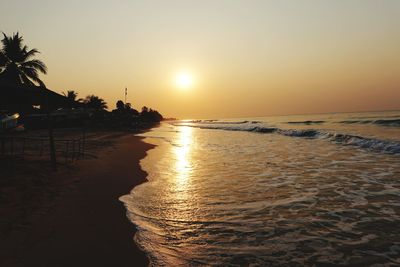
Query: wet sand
point(87, 224)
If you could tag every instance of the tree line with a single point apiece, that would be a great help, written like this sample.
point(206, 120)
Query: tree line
point(19, 66)
point(122, 109)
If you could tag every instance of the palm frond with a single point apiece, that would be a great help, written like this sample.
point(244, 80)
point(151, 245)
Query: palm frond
point(29, 53)
point(35, 63)
point(12, 47)
point(4, 41)
point(95, 102)
point(70, 94)
point(32, 74)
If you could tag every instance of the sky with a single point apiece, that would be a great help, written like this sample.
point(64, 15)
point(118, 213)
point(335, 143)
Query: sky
point(246, 57)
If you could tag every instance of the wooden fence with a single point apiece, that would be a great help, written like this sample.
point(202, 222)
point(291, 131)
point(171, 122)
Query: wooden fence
point(66, 149)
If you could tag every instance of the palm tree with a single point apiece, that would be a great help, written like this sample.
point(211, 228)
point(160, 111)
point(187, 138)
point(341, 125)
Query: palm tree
point(95, 102)
point(71, 95)
point(17, 64)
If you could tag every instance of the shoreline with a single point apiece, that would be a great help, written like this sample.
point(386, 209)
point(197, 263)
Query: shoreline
point(87, 224)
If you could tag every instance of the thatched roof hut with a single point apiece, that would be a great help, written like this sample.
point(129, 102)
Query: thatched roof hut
point(21, 98)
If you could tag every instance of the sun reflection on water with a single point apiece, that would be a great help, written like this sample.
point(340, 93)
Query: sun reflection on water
point(183, 164)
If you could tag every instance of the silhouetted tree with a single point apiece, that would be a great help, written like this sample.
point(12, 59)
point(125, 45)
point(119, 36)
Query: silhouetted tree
point(17, 64)
point(145, 109)
point(95, 102)
point(71, 95)
point(120, 105)
point(131, 110)
point(125, 109)
point(150, 115)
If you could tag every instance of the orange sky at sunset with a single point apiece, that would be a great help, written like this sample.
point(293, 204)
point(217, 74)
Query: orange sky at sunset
point(245, 58)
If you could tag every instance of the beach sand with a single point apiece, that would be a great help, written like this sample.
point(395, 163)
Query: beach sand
point(85, 224)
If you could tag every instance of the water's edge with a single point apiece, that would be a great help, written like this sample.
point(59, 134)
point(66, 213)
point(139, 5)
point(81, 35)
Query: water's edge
point(142, 181)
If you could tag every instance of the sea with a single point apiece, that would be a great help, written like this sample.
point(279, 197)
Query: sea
point(304, 190)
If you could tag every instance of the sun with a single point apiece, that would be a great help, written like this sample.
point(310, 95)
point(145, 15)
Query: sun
point(184, 80)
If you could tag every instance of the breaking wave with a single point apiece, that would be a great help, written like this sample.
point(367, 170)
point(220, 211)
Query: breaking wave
point(373, 144)
point(222, 122)
point(305, 122)
point(382, 122)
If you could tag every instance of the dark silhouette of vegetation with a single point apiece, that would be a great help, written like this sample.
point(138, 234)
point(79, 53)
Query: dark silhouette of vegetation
point(24, 92)
point(95, 102)
point(125, 108)
point(128, 107)
point(120, 105)
point(17, 64)
point(126, 116)
point(71, 95)
point(150, 115)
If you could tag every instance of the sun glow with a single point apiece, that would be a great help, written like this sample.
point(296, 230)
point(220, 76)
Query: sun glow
point(184, 80)
point(182, 172)
point(182, 153)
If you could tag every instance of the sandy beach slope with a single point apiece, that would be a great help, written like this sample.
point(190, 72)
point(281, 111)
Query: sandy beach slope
point(87, 225)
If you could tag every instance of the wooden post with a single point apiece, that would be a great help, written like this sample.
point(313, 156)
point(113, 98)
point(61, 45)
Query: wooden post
point(41, 147)
point(12, 146)
point(3, 146)
point(51, 140)
point(66, 151)
point(73, 149)
point(79, 148)
point(83, 139)
point(23, 146)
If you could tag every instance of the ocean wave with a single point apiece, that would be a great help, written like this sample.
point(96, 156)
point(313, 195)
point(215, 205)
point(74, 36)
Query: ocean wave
point(300, 133)
point(367, 143)
point(244, 128)
point(264, 129)
point(392, 122)
point(305, 122)
point(382, 122)
point(221, 122)
point(357, 121)
point(373, 144)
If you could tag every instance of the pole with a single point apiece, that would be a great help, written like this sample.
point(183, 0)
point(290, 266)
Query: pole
point(126, 93)
point(83, 139)
point(51, 140)
point(3, 141)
